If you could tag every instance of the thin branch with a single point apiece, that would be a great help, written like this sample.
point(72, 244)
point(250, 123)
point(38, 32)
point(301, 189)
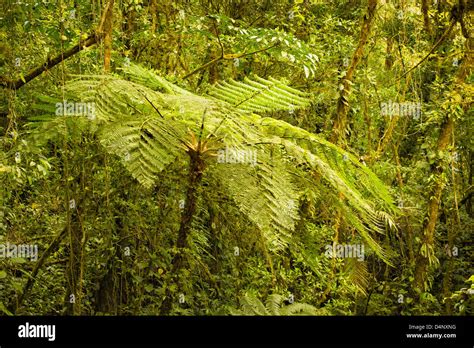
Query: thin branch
point(227, 57)
point(218, 39)
point(50, 63)
point(258, 51)
point(92, 39)
point(215, 60)
point(435, 46)
point(32, 279)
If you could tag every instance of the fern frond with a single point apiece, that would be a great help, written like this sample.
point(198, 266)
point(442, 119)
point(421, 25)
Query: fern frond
point(150, 79)
point(346, 165)
point(274, 303)
point(115, 98)
point(259, 95)
point(358, 274)
point(253, 306)
point(365, 226)
point(56, 128)
point(266, 195)
point(299, 309)
point(364, 192)
point(146, 147)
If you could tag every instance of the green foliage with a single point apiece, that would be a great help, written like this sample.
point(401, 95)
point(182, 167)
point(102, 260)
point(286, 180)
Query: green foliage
point(464, 299)
point(281, 45)
point(273, 193)
point(274, 305)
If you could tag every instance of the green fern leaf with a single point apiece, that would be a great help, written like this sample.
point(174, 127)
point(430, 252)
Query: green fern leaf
point(259, 95)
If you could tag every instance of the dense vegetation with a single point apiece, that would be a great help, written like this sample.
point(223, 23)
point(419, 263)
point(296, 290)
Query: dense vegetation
point(236, 157)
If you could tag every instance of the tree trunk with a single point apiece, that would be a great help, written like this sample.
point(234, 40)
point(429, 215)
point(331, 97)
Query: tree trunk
point(114, 286)
point(76, 204)
point(433, 208)
point(108, 26)
point(437, 169)
point(426, 19)
point(340, 123)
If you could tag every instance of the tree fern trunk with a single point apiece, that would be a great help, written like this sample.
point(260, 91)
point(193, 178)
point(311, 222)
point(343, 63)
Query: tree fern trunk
point(196, 167)
point(214, 228)
point(195, 176)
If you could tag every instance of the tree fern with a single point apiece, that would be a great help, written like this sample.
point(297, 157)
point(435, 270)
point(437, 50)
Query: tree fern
point(151, 123)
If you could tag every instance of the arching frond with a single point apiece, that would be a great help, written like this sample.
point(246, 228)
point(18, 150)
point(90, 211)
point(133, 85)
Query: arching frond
point(266, 195)
point(274, 303)
point(345, 164)
point(259, 95)
point(146, 147)
point(252, 306)
point(150, 79)
point(358, 274)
